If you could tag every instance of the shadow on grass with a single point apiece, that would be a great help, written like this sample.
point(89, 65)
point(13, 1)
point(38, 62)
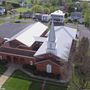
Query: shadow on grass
point(20, 75)
point(35, 85)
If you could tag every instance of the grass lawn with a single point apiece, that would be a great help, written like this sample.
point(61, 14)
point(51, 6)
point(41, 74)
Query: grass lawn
point(52, 87)
point(2, 21)
point(22, 9)
point(21, 81)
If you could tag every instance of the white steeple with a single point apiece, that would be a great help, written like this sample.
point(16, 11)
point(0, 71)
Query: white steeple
point(51, 45)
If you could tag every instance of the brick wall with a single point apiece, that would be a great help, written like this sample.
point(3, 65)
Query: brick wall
point(42, 67)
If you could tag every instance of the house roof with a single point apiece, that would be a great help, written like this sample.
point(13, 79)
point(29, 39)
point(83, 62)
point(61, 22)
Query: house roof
point(76, 15)
point(8, 30)
point(27, 36)
point(58, 12)
point(64, 37)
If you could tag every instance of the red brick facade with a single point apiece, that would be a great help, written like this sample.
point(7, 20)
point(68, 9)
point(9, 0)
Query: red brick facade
point(42, 66)
point(56, 69)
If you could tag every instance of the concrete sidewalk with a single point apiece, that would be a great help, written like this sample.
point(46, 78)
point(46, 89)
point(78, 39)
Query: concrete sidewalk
point(8, 73)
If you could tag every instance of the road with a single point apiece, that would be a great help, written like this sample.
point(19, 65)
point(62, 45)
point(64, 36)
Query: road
point(83, 31)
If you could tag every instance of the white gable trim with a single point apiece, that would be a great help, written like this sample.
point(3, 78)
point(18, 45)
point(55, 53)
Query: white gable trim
point(46, 61)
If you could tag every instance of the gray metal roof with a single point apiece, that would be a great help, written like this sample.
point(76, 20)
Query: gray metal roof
point(64, 36)
point(8, 30)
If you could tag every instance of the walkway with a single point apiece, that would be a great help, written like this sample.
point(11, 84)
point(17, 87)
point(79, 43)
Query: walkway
point(8, 73)
point(44, 78)
point(43, 85)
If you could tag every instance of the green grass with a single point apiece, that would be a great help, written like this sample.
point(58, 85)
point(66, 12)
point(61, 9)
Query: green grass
point(2, 21)
point(53, 87)
point(21, 81)
point(22, 9)
point(36, 85)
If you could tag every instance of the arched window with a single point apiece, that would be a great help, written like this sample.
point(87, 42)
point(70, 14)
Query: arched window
point(49, 68)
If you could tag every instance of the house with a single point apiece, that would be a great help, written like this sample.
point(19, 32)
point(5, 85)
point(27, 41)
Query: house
point(50, 54)
point(45, 18)
point(42, 17)
point(76, 16)
point(2, 10)
point(58, 17)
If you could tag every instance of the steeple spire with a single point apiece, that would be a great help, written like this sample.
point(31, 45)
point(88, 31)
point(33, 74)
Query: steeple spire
point(51, 45)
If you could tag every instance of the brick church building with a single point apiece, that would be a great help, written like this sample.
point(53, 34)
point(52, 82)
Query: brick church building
point(50, 52)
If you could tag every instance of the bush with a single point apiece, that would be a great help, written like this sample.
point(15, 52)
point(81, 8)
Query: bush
point(30, 68)
point(3, 62)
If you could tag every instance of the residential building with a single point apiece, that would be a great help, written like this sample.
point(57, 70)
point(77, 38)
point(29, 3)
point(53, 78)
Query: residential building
point(76, 16)
point(2, 10)
point(58, 17)
point(42, 17)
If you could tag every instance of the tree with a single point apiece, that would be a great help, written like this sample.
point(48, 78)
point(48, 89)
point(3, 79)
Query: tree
point(69, 1)
point(87, 17)
point(46, 10)
point(8, 6)
point(52, 8)
point(86, 13)
point(82, 64)
point(55, 2)
point(71, 8)
point(37, 8)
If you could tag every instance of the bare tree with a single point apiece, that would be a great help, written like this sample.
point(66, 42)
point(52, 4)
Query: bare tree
point(82, 64)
